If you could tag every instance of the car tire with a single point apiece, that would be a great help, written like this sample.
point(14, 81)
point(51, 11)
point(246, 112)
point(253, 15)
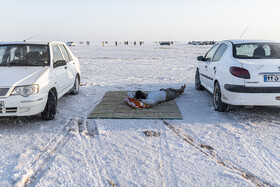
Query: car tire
point(50, 109)
point(76, 88)
point(217, 99)
point(198, 85)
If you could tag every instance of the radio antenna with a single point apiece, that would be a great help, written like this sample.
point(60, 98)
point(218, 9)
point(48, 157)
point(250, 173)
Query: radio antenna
point(244, 32)
point(29, 38)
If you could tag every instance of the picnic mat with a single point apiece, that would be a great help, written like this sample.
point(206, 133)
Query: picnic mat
point(113, 106)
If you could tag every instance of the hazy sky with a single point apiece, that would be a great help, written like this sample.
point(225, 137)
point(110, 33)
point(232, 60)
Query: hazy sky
point(148, 20)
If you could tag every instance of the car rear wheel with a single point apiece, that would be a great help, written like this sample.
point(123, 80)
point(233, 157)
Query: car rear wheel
point(217, 99)
point(50, 109)
point(198, 85)
point(76, 88)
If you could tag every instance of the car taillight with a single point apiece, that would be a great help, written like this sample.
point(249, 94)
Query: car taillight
point(239, 72)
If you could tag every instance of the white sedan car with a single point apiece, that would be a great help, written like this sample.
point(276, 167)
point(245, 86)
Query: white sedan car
point(71, 44)
point(241, 72)
point(33, 76)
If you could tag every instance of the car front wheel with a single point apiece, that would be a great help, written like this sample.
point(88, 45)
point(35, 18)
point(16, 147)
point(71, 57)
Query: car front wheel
point(217, 99)
point(76, 88)
point(198, 85)
point(50, 109)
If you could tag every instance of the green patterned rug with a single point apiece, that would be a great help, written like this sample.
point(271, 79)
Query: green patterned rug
point(113, 106)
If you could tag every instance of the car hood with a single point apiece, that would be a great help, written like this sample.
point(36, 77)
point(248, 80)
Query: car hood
point(17, 76)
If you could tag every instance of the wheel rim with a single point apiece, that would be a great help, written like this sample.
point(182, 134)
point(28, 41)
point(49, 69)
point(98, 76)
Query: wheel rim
point(217, 96)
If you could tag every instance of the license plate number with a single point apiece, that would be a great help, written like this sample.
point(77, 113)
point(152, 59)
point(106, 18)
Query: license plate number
point(1, 104)
point(271, 78)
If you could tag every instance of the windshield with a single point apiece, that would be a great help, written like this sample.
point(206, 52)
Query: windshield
point(24, 55)
point(257, 51)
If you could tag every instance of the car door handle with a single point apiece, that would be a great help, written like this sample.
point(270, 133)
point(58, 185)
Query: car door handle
point(65, 67)
point(205, 66)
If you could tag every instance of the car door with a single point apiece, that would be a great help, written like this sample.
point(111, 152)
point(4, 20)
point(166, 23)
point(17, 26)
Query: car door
point(71, 70)
point(204, 70)
point(60, 71)
point(212, 66)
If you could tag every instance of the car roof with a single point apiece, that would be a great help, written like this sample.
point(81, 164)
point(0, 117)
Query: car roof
point(29, 42)
point(251, 41)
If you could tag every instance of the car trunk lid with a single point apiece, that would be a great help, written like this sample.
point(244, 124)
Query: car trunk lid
point(263, 72)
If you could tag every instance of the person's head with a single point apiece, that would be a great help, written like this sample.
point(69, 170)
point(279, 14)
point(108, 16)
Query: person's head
point(140, 95)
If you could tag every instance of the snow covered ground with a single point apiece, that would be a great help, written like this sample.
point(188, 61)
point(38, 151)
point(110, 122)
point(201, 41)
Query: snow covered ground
point(206, 148)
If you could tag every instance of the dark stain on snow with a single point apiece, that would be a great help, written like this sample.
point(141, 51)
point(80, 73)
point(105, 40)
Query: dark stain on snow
point(150, 133)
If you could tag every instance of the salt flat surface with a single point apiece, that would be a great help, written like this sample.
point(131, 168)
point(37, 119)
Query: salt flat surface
point(206, 148)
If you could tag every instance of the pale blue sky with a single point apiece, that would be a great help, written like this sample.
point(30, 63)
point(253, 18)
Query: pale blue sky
point(148, 20)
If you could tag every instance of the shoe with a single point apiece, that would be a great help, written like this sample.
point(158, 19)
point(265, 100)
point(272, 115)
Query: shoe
point(182, 89)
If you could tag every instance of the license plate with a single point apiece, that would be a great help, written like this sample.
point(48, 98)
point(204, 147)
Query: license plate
point(1, 104)
point(271, 78)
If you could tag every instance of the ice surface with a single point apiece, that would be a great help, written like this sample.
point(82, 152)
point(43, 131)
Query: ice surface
point(75, 151)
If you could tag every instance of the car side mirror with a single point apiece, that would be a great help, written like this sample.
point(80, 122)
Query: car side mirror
point(200, 58)
point(59, 63)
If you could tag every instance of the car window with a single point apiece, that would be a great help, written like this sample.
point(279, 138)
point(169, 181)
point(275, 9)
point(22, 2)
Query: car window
point(69, 54)
point(220, 51)
point(56, 53)
point(210, 53)
point(257, 50)
point(2, 51)
point(65, 53)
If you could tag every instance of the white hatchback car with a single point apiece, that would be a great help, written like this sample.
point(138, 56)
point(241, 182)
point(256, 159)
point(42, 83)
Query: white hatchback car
point(241, 72)
point(34, 75)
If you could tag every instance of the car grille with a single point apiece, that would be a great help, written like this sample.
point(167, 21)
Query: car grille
point(8, 110)
point(3, 91)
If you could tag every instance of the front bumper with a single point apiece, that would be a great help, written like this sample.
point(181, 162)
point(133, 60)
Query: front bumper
point(250, 96)
point(16, 105)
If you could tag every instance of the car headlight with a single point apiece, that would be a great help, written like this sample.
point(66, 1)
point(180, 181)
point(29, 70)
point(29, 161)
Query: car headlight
point(26, 91)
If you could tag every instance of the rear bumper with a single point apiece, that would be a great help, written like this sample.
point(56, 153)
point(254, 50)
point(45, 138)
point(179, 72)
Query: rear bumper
point(244, 89)
point(252, 96)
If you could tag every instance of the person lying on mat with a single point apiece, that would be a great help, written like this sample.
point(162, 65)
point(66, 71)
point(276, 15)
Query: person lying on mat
point(157, 96)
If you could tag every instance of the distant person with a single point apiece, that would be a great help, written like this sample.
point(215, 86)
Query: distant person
point(134, 42)
point(156, 97)
point(116, 43)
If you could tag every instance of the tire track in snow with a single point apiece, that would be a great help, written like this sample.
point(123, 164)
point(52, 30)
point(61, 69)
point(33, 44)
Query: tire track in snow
point(211, 153)
point(111, 175)
point(42, 162)
point(261, 152)
point(169, 171)
point(85, 134)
